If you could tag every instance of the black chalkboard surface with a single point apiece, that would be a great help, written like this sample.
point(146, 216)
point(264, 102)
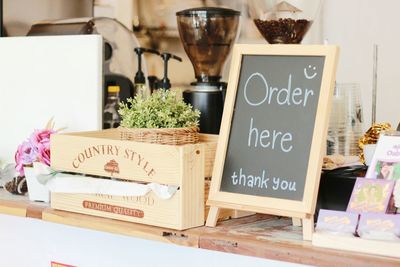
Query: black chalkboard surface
point(273, 132)
point(273, 125)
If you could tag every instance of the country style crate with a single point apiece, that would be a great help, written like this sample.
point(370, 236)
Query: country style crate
point(102, 153)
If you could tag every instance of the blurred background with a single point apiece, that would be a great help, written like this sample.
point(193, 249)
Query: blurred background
point(355, 26)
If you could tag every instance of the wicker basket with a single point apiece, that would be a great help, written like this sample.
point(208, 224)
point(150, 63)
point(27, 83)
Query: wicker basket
point(164, 136)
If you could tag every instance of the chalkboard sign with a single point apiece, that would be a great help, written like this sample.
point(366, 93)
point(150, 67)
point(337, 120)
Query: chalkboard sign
point(272, 126)
point(272, 137)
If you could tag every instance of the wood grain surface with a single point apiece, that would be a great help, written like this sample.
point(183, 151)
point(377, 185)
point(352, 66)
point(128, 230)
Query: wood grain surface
point(276, 238)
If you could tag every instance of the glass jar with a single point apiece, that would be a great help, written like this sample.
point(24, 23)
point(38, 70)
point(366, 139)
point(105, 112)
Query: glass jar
point(345, 123)
point(283, 22)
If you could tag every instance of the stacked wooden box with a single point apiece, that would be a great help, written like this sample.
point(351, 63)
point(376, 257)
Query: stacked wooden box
point(102, 153)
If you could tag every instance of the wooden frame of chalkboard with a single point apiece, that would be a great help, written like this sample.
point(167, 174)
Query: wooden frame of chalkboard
point(273, 131)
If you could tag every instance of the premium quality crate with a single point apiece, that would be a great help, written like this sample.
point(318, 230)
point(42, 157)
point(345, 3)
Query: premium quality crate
point(102, 153)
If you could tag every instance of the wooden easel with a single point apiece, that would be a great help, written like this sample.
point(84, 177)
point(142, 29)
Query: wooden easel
point(299, 208)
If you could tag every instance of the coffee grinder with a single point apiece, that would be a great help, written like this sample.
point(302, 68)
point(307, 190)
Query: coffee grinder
point(207, 35)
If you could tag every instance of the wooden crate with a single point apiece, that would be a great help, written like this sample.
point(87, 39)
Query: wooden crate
point(210, 147)
point(184, 166)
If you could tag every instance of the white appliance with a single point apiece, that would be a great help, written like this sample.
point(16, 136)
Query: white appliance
point(48, 77)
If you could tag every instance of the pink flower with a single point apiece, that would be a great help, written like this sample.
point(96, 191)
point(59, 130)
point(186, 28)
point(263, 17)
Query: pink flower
point(36, 148)
point(44, 153)
point(41, 136)
point(26, 154)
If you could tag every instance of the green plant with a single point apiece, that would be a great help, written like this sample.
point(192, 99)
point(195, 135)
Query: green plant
point(161, 110)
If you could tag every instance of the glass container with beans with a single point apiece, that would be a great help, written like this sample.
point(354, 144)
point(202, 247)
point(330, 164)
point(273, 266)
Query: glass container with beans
point(283, 22)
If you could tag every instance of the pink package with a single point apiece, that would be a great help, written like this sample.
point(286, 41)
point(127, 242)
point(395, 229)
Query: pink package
point(370, 195)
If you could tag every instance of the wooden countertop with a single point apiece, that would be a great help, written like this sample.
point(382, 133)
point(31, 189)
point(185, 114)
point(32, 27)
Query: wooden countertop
point(259, 235)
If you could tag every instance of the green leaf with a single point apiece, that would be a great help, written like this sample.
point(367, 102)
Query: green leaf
point(163, 109)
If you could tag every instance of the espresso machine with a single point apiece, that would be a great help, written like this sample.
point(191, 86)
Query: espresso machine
point(207, 35)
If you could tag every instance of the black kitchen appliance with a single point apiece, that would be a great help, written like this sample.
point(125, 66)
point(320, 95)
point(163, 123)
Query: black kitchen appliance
point(207, 35)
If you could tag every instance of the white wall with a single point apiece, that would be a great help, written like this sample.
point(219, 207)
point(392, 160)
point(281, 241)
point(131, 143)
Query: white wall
point(355, 26)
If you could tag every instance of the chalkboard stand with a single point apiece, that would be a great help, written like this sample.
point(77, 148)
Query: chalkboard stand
point(290, 59)
point(212, 218)
point(306, 223)
point(296, 222)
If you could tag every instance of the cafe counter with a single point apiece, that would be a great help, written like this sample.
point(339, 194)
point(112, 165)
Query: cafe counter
point(58, 236)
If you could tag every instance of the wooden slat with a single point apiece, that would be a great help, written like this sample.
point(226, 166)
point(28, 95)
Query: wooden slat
point(19, 205)
point(155, 211)
point(210, 146)
point(136, 161)
point(189, 239)
point(16, 208)
point(35, 210)
point(192, 187)
point(67, 147)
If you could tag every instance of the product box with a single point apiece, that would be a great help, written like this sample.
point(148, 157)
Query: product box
point(385, 162)
point(337, 222)
point(379, 226)
point(370, 195)
point(102, 153)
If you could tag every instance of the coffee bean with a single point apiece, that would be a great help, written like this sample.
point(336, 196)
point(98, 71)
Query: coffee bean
point(283, 31)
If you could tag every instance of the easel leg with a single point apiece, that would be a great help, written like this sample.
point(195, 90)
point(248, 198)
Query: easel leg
point(212, 217)
point(296, 221)
point(308, 228)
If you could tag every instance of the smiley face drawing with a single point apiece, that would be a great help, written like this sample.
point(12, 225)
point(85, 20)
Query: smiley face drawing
point(310, 68)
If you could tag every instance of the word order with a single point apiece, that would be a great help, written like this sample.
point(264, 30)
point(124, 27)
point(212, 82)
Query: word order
point(282, 96)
